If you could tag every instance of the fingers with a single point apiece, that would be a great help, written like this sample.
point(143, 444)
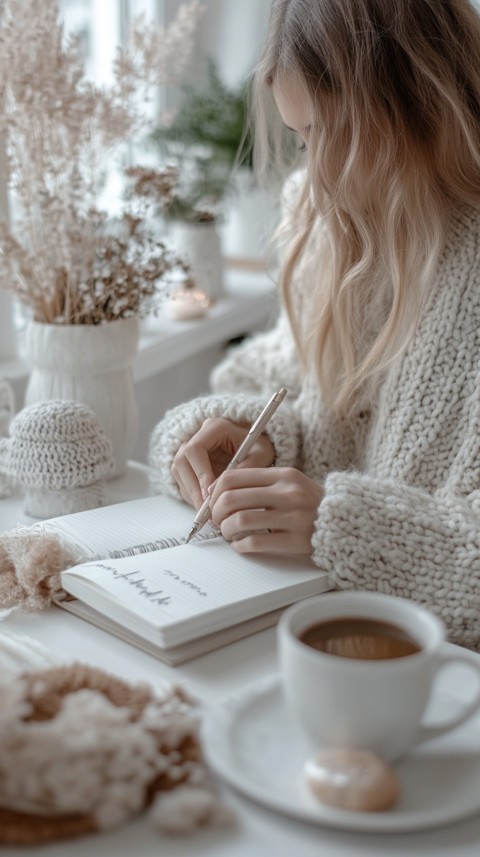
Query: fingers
point(232, 482)
point(241, 524)
point(199, 461)
point(186, 480)
point(266, 542)
point(243, 501)
point(207, 454)
point(262, 454)
point(273, 528)
point(266, 509)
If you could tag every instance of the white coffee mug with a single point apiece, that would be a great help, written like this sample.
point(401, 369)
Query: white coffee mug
point(369, 704)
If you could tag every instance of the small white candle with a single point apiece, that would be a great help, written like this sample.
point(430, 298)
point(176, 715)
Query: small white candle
point(186, 304)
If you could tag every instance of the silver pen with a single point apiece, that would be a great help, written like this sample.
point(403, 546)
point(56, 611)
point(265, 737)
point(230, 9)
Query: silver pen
point(256, 430)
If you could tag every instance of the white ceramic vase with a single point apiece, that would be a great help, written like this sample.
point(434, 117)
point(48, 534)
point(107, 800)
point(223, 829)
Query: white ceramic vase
point(90, 364)
point(200, 245)
point(251, 214)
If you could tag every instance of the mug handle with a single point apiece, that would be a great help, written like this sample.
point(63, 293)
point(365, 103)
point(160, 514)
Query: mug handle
point(425, 733)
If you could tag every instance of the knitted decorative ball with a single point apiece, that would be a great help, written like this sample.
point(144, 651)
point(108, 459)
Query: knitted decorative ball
point(59, 453)
point(7, 405)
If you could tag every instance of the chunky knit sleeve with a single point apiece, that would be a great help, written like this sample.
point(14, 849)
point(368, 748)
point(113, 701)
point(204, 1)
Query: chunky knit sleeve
point(392, 538)
point(181, 423)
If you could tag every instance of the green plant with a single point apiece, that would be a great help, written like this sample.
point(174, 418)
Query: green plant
point(201, 143)
point(214, 117)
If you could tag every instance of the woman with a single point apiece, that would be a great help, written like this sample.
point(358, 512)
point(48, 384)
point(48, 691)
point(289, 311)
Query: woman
point(377, 449)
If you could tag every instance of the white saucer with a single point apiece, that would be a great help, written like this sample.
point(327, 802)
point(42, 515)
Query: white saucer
point(251, 741)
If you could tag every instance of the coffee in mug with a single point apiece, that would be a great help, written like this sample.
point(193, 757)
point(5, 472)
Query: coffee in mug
point(358, 670)
point(364, 639)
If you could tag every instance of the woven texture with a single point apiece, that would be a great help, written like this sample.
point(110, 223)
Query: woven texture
point(82, 750)
point(401, 513)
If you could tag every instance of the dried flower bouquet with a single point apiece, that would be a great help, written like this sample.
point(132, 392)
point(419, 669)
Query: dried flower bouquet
point(61, 258)
point(185, 193)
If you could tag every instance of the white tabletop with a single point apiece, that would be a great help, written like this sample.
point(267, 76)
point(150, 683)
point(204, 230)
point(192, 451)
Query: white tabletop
point(257, 832)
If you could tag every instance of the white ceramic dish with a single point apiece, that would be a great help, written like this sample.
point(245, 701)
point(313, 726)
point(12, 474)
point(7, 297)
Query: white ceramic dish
point(251, 741)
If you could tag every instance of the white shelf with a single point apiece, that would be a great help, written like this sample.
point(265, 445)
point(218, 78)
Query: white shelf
point(249, 303)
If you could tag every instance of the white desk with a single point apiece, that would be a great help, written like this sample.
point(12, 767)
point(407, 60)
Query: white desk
point(258, 832)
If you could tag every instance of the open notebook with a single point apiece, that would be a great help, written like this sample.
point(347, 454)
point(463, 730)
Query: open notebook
point(137, 579)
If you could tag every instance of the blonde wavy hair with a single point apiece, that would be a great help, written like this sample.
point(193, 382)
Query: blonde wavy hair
point(393, 87)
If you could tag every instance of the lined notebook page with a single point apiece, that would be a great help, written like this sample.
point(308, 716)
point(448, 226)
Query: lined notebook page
point(152, 523)
point(191, 582)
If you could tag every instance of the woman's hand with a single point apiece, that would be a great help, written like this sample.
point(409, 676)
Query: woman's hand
point(266, 510)
point(206, 455)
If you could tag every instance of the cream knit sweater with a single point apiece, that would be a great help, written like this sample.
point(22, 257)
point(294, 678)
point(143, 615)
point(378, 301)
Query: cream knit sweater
point(401, 512)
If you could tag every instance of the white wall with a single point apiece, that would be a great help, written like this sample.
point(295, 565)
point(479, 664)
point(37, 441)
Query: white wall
point(230, 31)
